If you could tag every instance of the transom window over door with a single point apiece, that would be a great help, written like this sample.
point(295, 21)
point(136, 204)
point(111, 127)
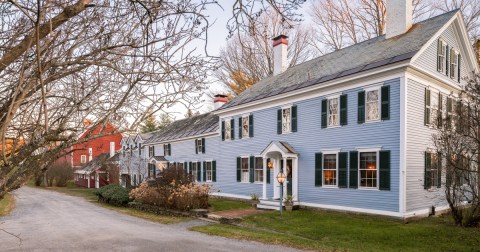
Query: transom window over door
point(286, 117)
point(330, 169)
point(372, 105)
point(368, 169)
point(333, 112)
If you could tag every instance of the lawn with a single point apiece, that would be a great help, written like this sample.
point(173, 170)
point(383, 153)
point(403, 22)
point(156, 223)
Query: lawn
point(7, 204)
point(219, 204)
point(88, 194)
point(330, 231)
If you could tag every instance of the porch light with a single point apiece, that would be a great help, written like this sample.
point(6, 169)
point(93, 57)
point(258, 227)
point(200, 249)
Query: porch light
point(269, 165)
point(281, 177)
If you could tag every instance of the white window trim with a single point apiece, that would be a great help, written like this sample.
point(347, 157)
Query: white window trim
point(248, 168)
point(248, 118)
point(442, 62)
point(379, 102)
point(377, 160)
point(283, 108)
point(455, 62)
point(211, 167)
point(254, 170)
point(199, 151)
point(336, 169)
point(229, 120)
point(82, 158)
point(334, 96)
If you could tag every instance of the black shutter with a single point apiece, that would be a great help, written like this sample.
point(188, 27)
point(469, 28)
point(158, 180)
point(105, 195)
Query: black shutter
point(440, 111)
point(459, 117)
point(385, 102)
point(279, 121)
point(252, 169)
point(361, 107)
point(343, 110)
point(427, 109)
point(294, 118)
point(196, 146)
point(318, 169)
point(342, 169)
point(250, 126)
point(214, 171)
point(448, 120)
point(459, 71)
point(223, 131)
point(232, 132)
point(324, 113)
point(268, 171)
point(353, 169)
point(203, 145)
point(153, 150)
point(239, 169)
point(240, 128)
point(384, 170)
point(190, 167)
point(439, 51)
point(427, 175)
point(199, 171)
point(204, 169)
point(439, 170)
point(185, 167)
point(447, 64)
point(139, 149)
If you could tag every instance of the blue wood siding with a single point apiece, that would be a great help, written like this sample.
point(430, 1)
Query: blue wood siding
point(311, 138)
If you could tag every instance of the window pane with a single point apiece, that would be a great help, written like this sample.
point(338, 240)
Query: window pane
point(245, 177)
point(368, 169)
point(245, 124)
point(372, 105)
point(333, 112)
point(286, 120)
point(228, 129)
point(258, 169)
point(330, 169)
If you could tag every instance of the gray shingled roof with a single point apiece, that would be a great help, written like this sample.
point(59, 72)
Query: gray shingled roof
point(187, 127)
point(359, 57)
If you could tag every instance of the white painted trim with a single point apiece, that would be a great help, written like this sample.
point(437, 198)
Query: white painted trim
point(211, 134)
point(403, 145)
point(352, 209)
point(369, 149)
point(331, 151)
point(360, 80)
point(230, 195)
point(431, 84)
point(333, 96)
point(373, 88)
point(287, 106)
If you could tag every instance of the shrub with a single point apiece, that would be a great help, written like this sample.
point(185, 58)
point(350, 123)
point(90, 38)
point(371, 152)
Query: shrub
point(59, 174)
point(172, 189)
point(113, 194)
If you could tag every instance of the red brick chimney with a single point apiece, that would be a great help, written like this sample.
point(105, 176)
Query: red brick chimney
point(280, 64)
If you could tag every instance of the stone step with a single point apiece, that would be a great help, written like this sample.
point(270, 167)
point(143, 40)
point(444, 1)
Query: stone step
point(270, 207)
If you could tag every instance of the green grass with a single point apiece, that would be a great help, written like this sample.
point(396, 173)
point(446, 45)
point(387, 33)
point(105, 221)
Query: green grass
point(89, 195)
point(7, 204)
point(330, 231)
point(218, 204)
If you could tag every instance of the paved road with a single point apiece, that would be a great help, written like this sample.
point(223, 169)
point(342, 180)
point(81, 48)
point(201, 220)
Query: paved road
point(51, 221)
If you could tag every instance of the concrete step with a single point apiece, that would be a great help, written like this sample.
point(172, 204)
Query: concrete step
point(271, 207)
point(271, 202)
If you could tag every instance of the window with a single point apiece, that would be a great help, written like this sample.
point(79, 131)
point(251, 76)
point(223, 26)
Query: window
point(368, 169)
point(453, 63)
point(200, 145)
point(286, 117)
point(208, 171)
point(83, 159)
point(139, 149)
point(244, 166)
point(333, 112)
point(151, 170)
point(441, 51)
point(372, 105)
point(330, 170)
point(167, 150)
point(245, 126)
point(151, 151)
point(433, 170)
point(433, 108)
point(228, 130)
point(180, 165)
point(258, 169)
point(194, 171)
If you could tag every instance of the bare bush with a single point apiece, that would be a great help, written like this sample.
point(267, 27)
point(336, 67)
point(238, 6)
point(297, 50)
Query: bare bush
point(59, 175)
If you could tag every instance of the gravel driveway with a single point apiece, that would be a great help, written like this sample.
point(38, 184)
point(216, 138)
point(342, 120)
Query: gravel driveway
point(51, 221)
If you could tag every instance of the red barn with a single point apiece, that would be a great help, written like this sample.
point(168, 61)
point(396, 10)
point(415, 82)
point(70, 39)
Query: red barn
point(84, 152)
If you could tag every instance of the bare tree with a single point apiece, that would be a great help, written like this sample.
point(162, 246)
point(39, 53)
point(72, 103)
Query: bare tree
point(342, 23)
point(470, 10)
point(63, 61)
point(248, 57)
point(458, 141)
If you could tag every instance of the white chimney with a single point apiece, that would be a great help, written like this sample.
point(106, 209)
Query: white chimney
point(219, 100)
point(112, 149)
point(399, 17)
point(90, 154)
point(280, 44)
